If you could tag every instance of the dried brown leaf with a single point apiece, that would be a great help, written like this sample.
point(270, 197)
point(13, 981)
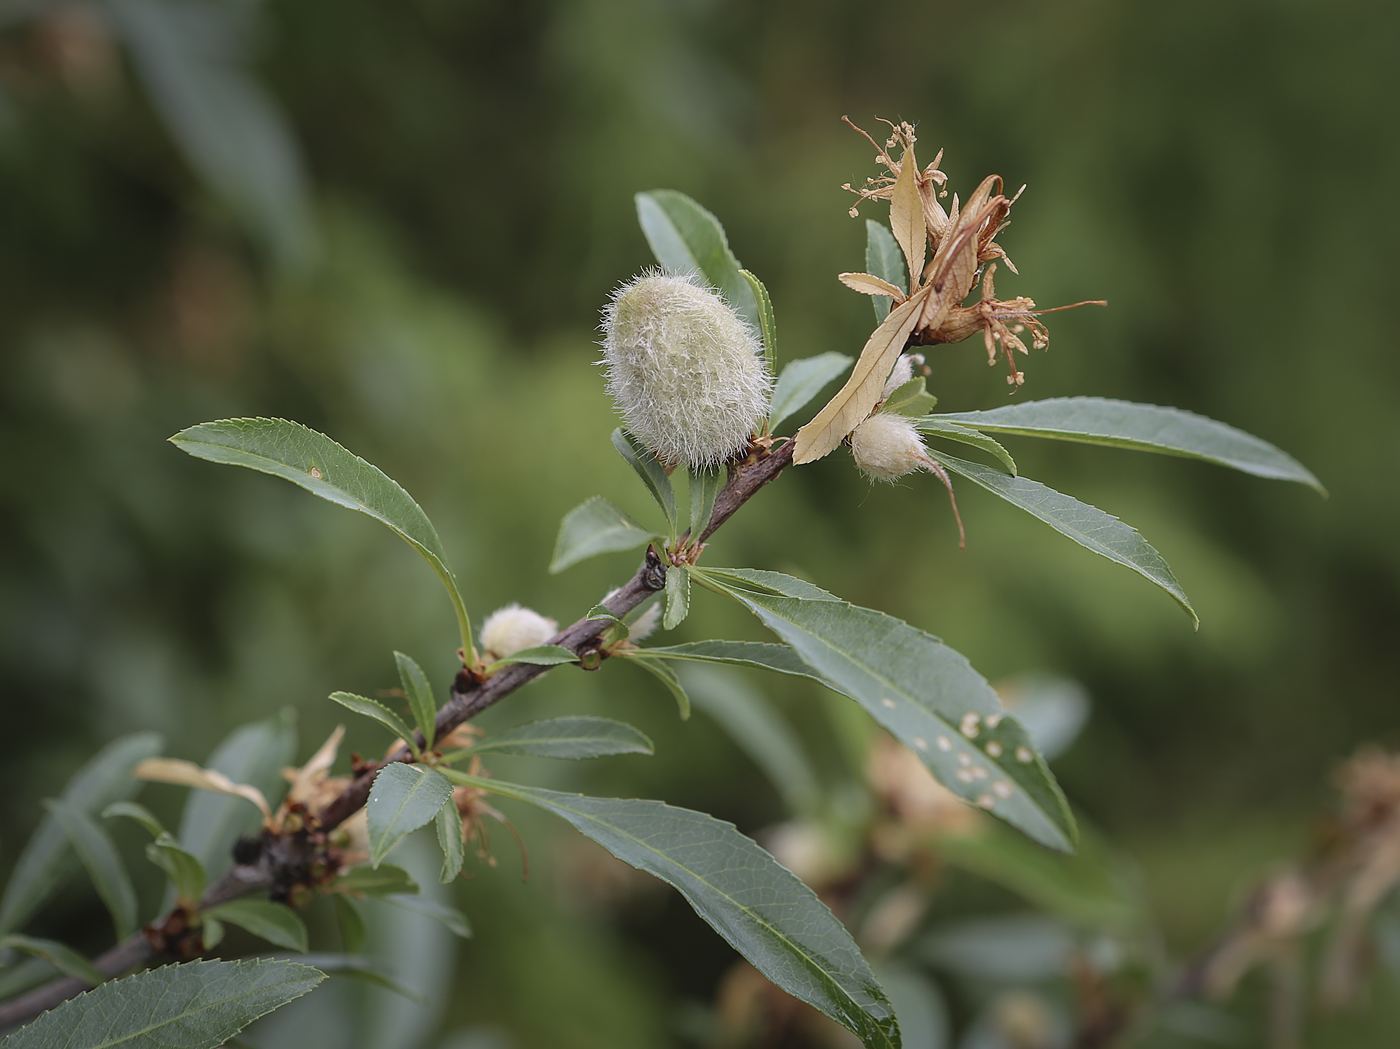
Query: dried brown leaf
point(907, 215)
point(869, 284)
point(188, 774)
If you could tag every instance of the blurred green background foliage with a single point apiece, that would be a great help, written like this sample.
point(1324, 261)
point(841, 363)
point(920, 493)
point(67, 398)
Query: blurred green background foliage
point(396, 223)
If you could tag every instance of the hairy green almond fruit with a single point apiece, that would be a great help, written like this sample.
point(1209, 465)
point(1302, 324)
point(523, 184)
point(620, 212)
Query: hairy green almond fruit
point(684, 369)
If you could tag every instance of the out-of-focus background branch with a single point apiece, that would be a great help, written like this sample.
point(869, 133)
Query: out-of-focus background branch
point(396, 223)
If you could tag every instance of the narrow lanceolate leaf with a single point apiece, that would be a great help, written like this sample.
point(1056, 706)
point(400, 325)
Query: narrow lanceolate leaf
point(767, 322)
point(653, 475)
point(857, 399)
point(781, 658)
point(47, 858)
point(685, 237)
point(540, 656)
point(883, 260)
point(1087, 525)
point(936, 426)
point(907, 216)
point(765, 913)
point(570, 737)
point(104, 865)
point(198, 1005)
point(59, 955)
point(186, 873)
point(403, 798)
point(274, 922)
point(927, 695)
point(139, 813)
point(312, 460)
point(420, 696)
point(449, 834)
point(184, 773)
point(705, 486)
point(254, 754)
point(382, 714)
point(677, 597)
point(452, 919)
point(595, 527)
point(659, 670)
point(354, 933)
point(1146, 427)
point(368, 881)
point(802, 380)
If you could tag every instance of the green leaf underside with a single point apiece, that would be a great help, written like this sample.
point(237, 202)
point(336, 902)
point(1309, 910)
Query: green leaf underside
point(448, 823)
point(802, 380)
point(919, 689)
point(420, 696)
point(767, 323)
point(197, 1005)
point(1147, 427)
point(369, 881)
point(883, 259)
point(1087, 525)
point(539, 656)
point(914, 400)
point(665, 675)
point(652, 473)
point(59, 955)
point(378, 711)
point(759, 907)
point(568, 737)
point(354, 933)
point(685, 238)
point(451, 917)
point(677, 597)
point(935, 427)
point(365, 970)
point(595, 527)
point(705, 486)
point(104, 865)
point(137, 813)
point(47, 857)
point(404, 797)
point(292, 451)
point(274, 922)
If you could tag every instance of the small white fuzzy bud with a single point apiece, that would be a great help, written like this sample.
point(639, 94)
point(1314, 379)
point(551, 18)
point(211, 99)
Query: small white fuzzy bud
point(886, 446)
point(510, 629)
point(645, 624)
point(684, 369)
point(901, 373)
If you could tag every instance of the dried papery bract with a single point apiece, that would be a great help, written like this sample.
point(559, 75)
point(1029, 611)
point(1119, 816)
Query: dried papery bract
point(684, 369)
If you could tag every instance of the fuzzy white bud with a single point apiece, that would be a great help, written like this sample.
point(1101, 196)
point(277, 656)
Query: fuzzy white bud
point(684, 369)
point(510, 629)
point(886, 446)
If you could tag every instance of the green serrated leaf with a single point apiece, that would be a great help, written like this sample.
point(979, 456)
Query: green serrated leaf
point(420, 697)
point(665, 675)
point(652, 473)
point(197, 1005)
point(761, 909)
point(374, 881)
point(1146, 427)
point(47, 859)
point(404, 797)
point(935, 426)
point(580, 736)
point(705, 486)
point(380, 713)
point(449, 835)
point(767, 322)
point(354, 933)
point(453, 919)
point(595, 527)
point(1087, 525)
point(677, 597)
point(685, 238)
point(755, 726)
point(254, 754)
point(927, 695)
point(184, 870)
point(104, 865)
point(133, 811)
point(802, 380)
point(313, 461)
point(59, 955)
point(883, 259)
point(274, 922)
point(540, 656)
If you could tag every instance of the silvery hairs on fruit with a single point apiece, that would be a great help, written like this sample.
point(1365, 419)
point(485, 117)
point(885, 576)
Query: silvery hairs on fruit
point(685, 371)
